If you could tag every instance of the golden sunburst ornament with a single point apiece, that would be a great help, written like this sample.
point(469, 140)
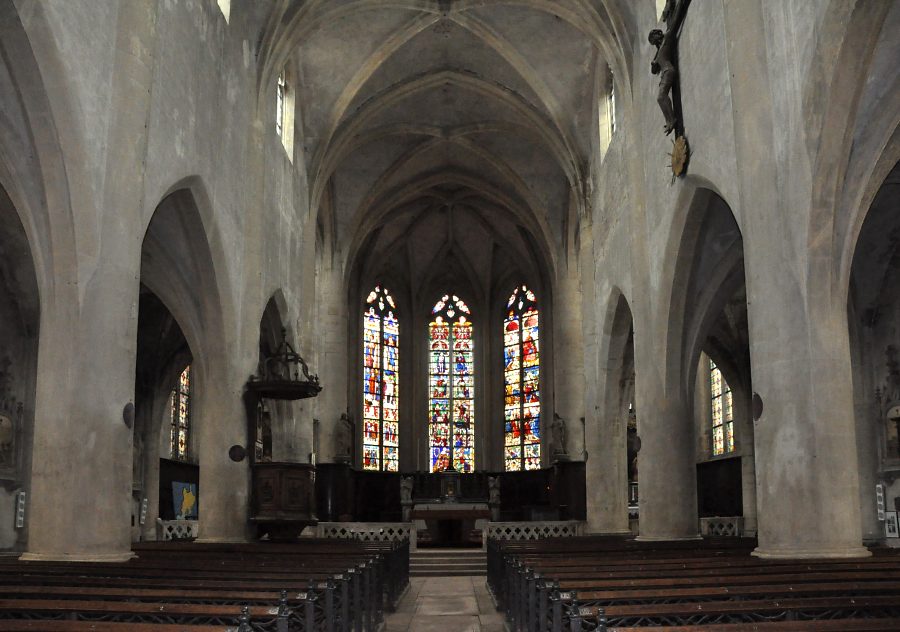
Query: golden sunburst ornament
point(681, 152)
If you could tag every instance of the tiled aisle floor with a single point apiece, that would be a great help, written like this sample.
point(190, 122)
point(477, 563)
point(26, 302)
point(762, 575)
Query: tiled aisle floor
point(445, 604)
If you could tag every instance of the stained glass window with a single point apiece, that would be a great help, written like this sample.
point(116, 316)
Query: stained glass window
point(451, 382)
point(722, 412)
point(521, 378)
point(180, 437)
point(381, 381)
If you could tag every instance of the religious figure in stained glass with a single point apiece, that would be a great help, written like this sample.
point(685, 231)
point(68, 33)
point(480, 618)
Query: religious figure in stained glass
point(181, 416)
point(722, 412)
point(521, 377)
point(381, 379)
point(451, 384)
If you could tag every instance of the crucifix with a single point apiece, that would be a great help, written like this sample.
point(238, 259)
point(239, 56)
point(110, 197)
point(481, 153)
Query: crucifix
point(665, 64)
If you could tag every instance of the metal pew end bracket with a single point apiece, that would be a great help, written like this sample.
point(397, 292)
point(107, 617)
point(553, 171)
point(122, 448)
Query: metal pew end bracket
point(244, 620)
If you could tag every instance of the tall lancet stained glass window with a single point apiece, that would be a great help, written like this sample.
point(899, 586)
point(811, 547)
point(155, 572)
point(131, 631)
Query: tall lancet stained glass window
point(381, 381)
point(180, 437)
point(722, 412)
point(451, 382)
point(521, 375)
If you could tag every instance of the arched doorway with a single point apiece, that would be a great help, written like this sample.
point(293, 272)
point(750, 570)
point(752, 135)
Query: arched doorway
point(873, 315)
point(19, 323)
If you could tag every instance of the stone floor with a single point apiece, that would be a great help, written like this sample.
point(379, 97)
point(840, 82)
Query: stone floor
point(445, 604)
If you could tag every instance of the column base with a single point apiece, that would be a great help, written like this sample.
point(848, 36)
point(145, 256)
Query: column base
point(801, 553)
point(77, 557)
point(667, 538)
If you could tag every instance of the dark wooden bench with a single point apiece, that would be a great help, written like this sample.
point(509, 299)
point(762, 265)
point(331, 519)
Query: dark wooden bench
point(747, 611)
point(106, 626)
point(819, 625)
point(598, 584)
point(325, 585)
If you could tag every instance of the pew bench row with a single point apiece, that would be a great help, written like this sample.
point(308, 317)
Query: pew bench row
point(307, 587)
point(581, 584)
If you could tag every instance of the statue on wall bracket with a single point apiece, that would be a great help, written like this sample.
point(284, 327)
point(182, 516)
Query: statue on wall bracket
point(343, 439)
point(665, 64)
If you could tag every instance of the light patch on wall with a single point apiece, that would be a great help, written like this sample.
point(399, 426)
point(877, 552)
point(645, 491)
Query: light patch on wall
point(284, 112)
point(660, 5)
point(606, 111)
point(225, 7)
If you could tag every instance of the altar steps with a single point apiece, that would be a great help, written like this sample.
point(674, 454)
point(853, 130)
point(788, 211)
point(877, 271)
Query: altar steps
point(447, 562)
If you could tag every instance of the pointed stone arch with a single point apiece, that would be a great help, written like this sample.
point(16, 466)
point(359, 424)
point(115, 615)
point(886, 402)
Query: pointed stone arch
point(607, 443)
point(180, 265)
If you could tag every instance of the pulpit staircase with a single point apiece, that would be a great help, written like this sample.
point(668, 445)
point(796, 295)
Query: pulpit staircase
point(446, 562)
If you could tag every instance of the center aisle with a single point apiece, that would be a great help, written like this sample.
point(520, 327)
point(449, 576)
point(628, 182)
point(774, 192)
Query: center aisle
point(445, 604)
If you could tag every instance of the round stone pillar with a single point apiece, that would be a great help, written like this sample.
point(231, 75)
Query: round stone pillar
point(667, 479)
point(331, 334)
point(220, 422)
point(79, 503)
point(568, 360)
point(807, 469)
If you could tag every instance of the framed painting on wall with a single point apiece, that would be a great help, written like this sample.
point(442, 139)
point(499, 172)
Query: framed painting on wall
point(184, 499)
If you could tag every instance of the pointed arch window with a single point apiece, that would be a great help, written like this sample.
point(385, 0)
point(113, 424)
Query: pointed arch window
point(521, 376)
point(285, 106)
point(180, 433)
point(722, 412)
point(280, 90)
point(451, 382)
point(381, 381)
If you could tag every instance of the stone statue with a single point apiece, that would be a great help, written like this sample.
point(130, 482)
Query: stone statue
point(494, 490)
point(406, 487)
point(665, 61)
point(406, 502)
point(558, 433)
point(343, 441)
point(494, 497)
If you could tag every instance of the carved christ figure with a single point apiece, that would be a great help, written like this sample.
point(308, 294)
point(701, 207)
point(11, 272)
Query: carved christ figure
point(663, 63)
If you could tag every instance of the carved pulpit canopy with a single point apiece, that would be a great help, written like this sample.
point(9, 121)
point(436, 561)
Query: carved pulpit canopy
point(284, 375)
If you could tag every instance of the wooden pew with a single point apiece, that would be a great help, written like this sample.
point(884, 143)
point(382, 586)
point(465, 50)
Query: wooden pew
point(740, 611)
point(589, 583)
point(334, 585)
point(106, 626)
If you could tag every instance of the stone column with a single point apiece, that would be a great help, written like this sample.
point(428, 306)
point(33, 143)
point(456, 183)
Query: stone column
point(80, 496)
point(743, 427)
point(606, 469)
point(152, 425)
point(79, 505)
point(805, 442)
point(301, 443)
point(568, 362)
point(607, 473)
point(666, 465)
point(219, 423)
point(806, 459)
point(332, 343)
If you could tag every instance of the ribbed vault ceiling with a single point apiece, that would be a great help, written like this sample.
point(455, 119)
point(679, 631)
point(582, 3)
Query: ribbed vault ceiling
point(423, 120)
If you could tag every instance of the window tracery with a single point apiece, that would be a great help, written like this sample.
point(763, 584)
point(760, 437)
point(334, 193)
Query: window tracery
point(451, 383)
point(722, 412)
point(521, 371)
point(180, 418)
point(381, 382)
